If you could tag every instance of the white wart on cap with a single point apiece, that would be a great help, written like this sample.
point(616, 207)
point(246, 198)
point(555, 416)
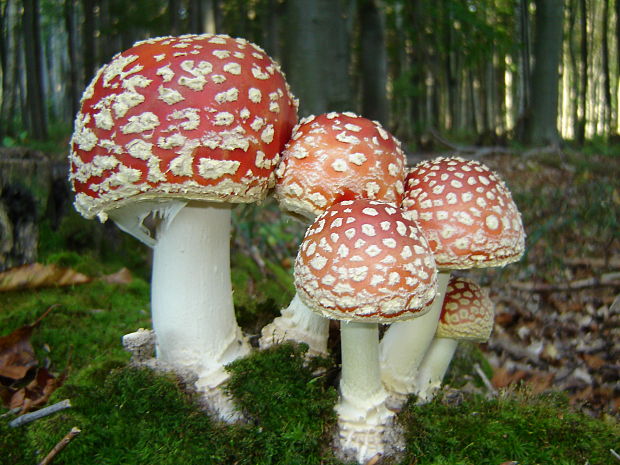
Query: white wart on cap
point(364, 260)
point(466, 212)
point(196, 117)
point(339, 156)
point(467, 312)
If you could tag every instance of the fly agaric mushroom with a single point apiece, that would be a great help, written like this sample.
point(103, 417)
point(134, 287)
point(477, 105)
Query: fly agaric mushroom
point(173, 131)
point(363, 262)
point(331, 157)
point(467, 315)
point(468, 216)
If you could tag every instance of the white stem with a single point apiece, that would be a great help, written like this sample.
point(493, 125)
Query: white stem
point(192, 306)
point(404, 344)
point(434, 367)
point(362, 413)
point(300, 324)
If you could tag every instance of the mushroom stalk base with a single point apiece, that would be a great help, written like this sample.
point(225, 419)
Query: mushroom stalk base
point(404, 344)
point(300, 324)
point(434, 368)
point(192, 306)
point(362, 414)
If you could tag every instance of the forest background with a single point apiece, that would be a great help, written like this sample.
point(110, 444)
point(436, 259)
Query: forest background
point(494, 71)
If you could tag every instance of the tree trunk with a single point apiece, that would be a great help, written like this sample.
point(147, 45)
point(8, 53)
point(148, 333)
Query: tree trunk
point(316, 55)
point(73, 84)
point(606, 73)
point(34, 69)
point(373, 62)
point(541, 121)
point(88, 41)
point(523, 94)
point(583, 72)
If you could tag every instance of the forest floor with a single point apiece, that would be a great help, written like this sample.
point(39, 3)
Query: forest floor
point(557, 330)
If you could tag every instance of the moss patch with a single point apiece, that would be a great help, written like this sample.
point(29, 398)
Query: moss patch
point(521, 428)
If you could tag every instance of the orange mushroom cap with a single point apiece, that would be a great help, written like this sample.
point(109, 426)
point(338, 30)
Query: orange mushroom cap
point(199, 117)
point(339, 156)
point(364, 260)
point(466, 212)
point(467, 313)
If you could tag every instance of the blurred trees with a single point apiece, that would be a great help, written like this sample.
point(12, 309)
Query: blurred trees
point(490, 71)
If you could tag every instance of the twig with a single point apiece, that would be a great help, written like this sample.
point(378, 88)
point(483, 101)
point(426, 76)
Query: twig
point(13, 411)
point(60, 446)
point(30, 417)
point(615, 454)
point(485, 380)
point(607, 279)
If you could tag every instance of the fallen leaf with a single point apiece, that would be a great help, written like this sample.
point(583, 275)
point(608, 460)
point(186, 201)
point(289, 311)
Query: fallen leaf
point(122, 276)
point(593, 361)
point(503, 378)
point(39, 275)
point(16, 353)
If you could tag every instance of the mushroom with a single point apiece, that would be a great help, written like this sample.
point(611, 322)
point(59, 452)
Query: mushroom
point(469, 218)
point(170, 134)
point(331, 157)
point(363, 262)
point(467, 315)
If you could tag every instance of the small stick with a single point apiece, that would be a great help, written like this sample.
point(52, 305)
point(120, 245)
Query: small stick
point(60, 446)
point(29, 417)
point(484, 379)
point(615, 454)
point(13, 411)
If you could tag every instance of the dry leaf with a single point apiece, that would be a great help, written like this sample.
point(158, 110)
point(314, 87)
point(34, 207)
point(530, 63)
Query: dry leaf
point(122, 276)
point(16, 353)
point(39, 275)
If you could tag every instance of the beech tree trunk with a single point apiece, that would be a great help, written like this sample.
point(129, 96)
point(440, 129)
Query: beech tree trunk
point(34, 69)
point(373, 62)
point(541, 120)
point(583, 72)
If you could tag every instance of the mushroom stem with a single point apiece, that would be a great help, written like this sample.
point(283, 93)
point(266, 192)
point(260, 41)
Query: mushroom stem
point(433, 368)
point(362, 413)
point(404, 344)
point(298, 323)
point(192, 306)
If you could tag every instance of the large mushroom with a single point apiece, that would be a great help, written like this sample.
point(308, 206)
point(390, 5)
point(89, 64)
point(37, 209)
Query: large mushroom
point(363, 262)
point(170, 134)
point(470, 220)
point(331, 157)
point(467, 315)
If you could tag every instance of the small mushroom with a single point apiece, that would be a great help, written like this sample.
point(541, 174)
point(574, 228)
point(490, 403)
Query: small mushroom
point(470, 220)
point(363, 262)
point(170, 134)
point(467, 315)
point(331, 157)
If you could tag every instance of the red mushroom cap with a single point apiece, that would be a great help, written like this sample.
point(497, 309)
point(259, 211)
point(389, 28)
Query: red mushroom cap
point(193, 117)
point(339, 156)
point(467, 312)
point(364, 260)
point(466, 212)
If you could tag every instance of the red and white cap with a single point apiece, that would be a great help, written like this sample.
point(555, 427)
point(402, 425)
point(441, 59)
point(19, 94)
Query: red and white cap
point(466, 212)
point(467, 313)
point(199, 117)
point(364, 260)
point(338, 156)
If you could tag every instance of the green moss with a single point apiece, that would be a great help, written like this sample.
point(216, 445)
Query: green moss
point(133, 416)
point(87, 323)
point(532, 430)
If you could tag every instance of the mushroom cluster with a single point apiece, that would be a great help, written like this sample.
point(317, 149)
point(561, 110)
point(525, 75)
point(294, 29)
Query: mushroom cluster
point(331, 157)
point(176, 130)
